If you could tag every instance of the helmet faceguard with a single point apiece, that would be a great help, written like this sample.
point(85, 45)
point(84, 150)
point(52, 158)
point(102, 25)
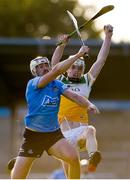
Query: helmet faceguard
point(79, 62)
point(35, 62)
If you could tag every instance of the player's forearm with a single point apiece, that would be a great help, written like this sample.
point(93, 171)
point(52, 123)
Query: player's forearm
point(104, 51)
point(101, 59)
point(57, 55)
point(63, 66)
point(82, 101)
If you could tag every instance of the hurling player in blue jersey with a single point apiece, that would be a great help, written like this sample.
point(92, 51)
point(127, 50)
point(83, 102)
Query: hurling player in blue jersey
point(42, 131)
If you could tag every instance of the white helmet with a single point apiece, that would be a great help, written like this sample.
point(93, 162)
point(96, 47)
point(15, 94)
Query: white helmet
point(80, 62)
point(35, 62)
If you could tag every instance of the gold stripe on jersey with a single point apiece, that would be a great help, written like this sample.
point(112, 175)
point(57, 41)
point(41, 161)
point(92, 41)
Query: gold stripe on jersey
point(71, 111)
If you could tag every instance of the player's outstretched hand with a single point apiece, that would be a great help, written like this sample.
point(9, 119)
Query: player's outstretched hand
point(92, 108)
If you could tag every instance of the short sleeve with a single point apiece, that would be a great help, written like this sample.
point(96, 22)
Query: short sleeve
point(34, 82)
point(62, 87)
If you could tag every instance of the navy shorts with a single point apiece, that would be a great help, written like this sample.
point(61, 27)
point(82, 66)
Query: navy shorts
point(35, 143)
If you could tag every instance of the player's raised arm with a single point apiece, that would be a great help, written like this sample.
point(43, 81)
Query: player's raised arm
point(57, 55)
point(103, 53)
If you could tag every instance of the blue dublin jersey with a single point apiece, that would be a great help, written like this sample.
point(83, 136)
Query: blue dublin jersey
point(43, 105)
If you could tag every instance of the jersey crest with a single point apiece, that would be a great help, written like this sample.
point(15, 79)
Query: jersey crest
point(49, 101)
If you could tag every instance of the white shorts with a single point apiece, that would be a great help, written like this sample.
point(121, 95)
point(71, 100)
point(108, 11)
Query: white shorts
point(75, 135)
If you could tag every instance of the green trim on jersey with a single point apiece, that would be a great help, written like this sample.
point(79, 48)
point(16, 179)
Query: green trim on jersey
point(66, 81)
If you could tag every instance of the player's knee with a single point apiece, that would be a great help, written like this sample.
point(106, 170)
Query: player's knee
point(73, 158)
point(91, 130)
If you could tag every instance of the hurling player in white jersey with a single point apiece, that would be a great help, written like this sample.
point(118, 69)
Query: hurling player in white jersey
point(72, 117)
